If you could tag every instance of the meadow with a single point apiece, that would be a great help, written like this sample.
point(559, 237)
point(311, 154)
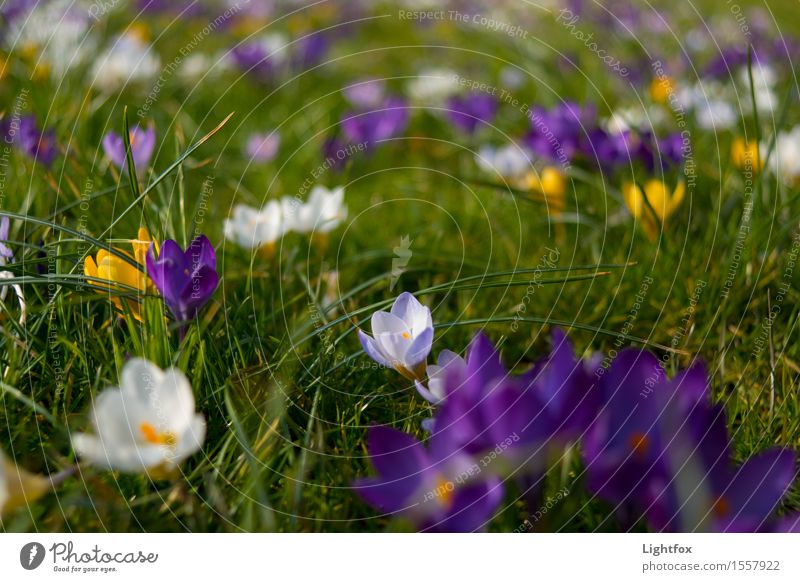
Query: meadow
point(623, 173)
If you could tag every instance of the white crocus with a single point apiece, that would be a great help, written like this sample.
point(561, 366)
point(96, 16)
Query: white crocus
point(147, 424)
point(402, 338)
point(252, 228)
point(432, 87)
point(58, 31)
point(128, 60)
point(509, 161)
point(448, 362)
point(785, 159)
point(6, 257)
point(764, 81)
point(324, 211)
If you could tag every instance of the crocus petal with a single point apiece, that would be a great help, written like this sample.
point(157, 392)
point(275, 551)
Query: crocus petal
point(373, 349)
point(383, 322)
point(761, 482)
point(419, 349)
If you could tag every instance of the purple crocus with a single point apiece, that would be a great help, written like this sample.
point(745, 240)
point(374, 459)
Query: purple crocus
point(382, 123)
point(559, 134)
point(469, 111)
point(365, 94)
point(309, 51)
point(263, 147)
point(435, 487)
point(27, 137)
point(143, 142)
point(186, 279)
point(659, 450)
point(263, 58)
point(527, 416)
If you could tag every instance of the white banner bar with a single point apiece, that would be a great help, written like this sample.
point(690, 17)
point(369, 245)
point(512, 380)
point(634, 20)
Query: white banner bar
point(354, 557)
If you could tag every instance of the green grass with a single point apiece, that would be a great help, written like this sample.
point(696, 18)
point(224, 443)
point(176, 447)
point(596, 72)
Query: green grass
point(288, 401)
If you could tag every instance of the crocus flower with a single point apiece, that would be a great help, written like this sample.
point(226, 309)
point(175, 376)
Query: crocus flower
point(659, 450)
point(143, 143)
point(117, 274)
point(745, 155)
point(521, 419)
point(662, 89)
point(36, 144)
point(6, 254)
point(785, 159)
point(263, 58)
point(253, 228)
point(560, 133)
point(551, 183)
point(128, 60)
point(433, 487)
point(18, 487)
point(186, 279)
point(54, 34)
point(432, 87)
point(365, 94)
point(653, 205)
point(386, 121)
point(6, 257)
point(510, 162)
point(468, 112)
point(402, 338)
point(263, 147)
point(309, 51)
point(434, 391)
point(148, 424)
point(324, 211)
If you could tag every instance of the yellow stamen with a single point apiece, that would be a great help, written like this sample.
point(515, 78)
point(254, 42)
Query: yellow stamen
point(445, 492)
point(406, 335)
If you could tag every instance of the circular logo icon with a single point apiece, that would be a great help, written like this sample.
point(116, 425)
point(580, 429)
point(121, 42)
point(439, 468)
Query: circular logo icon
point(31, 555)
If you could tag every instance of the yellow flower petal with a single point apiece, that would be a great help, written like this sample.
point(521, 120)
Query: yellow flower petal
point(633, 198)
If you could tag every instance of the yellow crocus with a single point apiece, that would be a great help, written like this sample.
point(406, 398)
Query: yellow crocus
point(661, 88)
point(661, 201)
point(115, 270)
point(552, 184)
point(745, 155)
point(18, 488)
